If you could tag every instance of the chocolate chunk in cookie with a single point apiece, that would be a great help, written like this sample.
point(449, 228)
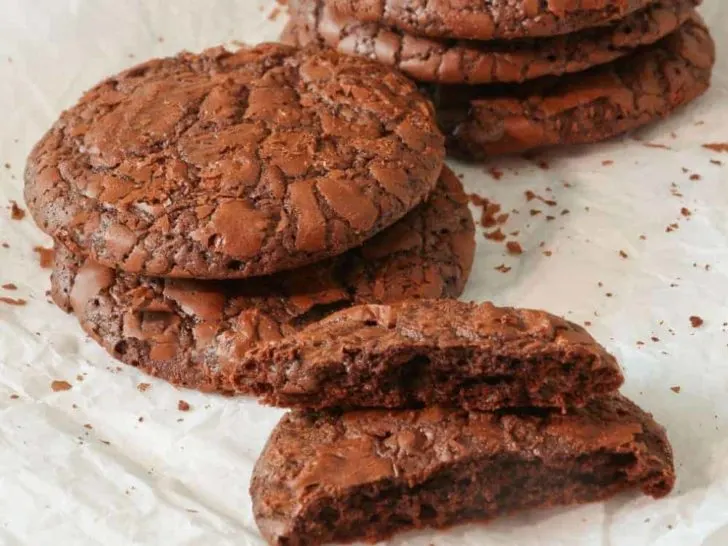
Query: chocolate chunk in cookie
point(229, 165)
point(472, 62)
point(366, 475)
point(193, 333)
point(488, 19)
point(595, 105)
point(432, 352)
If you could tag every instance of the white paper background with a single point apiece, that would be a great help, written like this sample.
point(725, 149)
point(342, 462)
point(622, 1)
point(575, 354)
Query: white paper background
point(182, 478)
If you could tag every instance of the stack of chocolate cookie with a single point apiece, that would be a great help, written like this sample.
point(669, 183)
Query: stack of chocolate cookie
point(432, 413)
point(204, 203)
point(512, 76)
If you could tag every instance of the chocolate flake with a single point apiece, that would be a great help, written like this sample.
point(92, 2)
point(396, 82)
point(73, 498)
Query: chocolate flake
point(60, 385)
point(696, 321)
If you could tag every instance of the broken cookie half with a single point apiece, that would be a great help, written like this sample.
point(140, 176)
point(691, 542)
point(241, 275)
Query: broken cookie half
point(365, 475)
point(431, 352)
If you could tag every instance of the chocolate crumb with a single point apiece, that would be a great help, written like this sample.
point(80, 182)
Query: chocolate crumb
point(14, 396)
point(514, 248)
point(79, 377)
point(495, 173)
point(143, 387)
point(565, 212)
point(9, 286)
point(695, 177)
point(623, 254)
point(535, 212)
point(587, 323)
point(696, 321)
point(719, 147)
point(45, 255)
point(672, 227)
point(675, 389)
point(543, 164)
point(643, 237)
point(550, 218)
point(16, 213)
point(59, 385)
point(607, 162)
point(655, 339)
point(496, 235)
point(183, 406)
point(12, 301)
point(503, 268)
point(88, 427)
point(105, 442)
point(547, 253)
point(141, 419)
point(716, 162)
point(685, 212)
point(609, 294)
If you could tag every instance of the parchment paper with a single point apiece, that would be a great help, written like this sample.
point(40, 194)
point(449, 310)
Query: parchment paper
point(105, 463)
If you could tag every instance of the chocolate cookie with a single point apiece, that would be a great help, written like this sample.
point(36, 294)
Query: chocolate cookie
point(488, 19)
point(312, 21)
point(365, 475)
point(432, 352)
point(580, 108)
point(231, 165)
point(193, 333)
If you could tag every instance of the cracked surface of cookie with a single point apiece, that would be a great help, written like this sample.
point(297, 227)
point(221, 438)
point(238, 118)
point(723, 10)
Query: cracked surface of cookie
point(595, 105)
point(486, 19)
point(193, 333)
point(471, 62)
point(325, 478)
point(230, 165)
point(432, 353)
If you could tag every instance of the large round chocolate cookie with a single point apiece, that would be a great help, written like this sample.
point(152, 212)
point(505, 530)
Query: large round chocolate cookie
point(193, 333)
point(488, 19)
point(230, 165)
point(580, 108)
point(472, 62)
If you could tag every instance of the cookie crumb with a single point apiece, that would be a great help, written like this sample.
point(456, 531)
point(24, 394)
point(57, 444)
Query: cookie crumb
point(12, 301)
point(503, 268)
point(685, 212)
point(547, 253)
point(60, 385)
point(183, 406)
point(695, 177)
point(514, 248)
point(143, 387)
point(696, 321)
point(497, 174)
point(675, 389)
point(45, 256)
point(672, 227)
point(16, 213)
point(88, 427)
point(719, 147)
point(10, 286)
point(496, 235)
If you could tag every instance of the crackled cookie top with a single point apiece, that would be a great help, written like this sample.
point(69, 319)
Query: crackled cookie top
point(189, 332)
point(601, 103)
point(231, 165)
point(475, 62)
point(488, 19)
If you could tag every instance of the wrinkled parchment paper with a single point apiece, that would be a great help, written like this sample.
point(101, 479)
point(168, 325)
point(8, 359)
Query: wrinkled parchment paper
point(106, 462)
